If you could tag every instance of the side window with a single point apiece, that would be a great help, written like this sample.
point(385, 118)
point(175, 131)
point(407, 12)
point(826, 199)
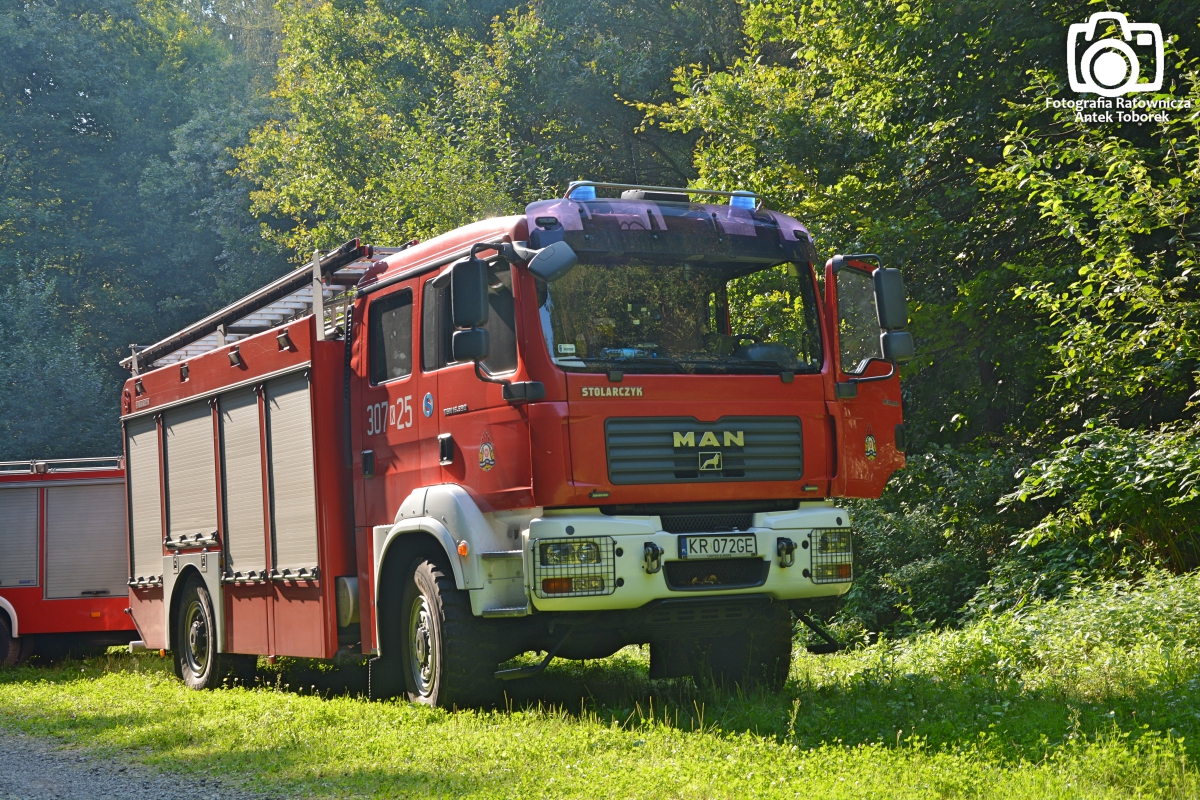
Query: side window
point(389, 336)
point(858, 325)
point(502, 322)
point(432, 310)
point(437, 329)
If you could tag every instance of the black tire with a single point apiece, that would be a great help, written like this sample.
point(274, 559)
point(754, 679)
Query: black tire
point(758, 656)
point(10, 648)
point(197, 662)
point(448, 656)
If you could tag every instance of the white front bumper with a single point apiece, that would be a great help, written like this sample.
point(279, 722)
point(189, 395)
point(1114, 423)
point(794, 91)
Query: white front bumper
point(635, 586)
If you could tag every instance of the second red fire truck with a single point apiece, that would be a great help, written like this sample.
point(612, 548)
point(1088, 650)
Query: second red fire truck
point(609, 420)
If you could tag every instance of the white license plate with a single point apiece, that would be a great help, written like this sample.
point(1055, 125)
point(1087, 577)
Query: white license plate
point(738, 545)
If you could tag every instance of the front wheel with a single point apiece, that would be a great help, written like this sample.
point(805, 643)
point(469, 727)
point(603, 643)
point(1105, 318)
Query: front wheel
point(449, 656)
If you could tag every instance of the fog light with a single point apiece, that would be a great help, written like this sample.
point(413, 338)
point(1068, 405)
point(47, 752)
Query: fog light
point(832, 573)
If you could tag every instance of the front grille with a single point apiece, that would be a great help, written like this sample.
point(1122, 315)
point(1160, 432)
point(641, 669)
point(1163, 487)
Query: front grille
point(716, 573)
point(645, 450)
point(707, 523)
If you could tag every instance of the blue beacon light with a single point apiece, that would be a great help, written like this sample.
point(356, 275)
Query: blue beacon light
point(742, 200)
point(583, 193)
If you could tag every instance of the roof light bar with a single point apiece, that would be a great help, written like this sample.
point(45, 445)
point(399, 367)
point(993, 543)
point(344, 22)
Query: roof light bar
point(577, 190)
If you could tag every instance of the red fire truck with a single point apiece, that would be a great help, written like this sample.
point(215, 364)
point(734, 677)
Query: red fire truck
point(62, 558)
point(542, 432)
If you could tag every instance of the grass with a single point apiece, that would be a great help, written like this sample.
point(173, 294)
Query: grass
point(1092, 697)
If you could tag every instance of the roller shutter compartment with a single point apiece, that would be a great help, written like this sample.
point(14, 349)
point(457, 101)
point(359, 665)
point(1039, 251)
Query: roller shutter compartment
point(191, 472)
point(19, 537)
point(85, 541)
point(241, 452)
point(293, 489)
point(145, 502)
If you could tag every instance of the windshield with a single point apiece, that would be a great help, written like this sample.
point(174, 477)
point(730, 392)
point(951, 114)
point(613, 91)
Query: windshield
point(635, 315)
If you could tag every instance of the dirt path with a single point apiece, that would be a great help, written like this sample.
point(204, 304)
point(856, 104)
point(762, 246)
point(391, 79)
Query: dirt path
point(37, 769)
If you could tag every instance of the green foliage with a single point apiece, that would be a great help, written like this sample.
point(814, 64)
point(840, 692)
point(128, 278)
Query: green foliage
point(1123, 313)
point(1122, 492)
point(116, 125)
point(923, 550)
point(408, 121)
point(55, 399)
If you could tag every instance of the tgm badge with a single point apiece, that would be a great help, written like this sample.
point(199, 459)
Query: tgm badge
point(427, 404)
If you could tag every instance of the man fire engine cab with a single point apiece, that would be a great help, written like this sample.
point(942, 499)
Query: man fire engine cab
point(622, 417)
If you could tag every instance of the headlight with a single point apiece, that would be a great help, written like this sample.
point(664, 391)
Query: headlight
point(567, 552)
point(574, 567)
point(832, 555)
point(834, 542)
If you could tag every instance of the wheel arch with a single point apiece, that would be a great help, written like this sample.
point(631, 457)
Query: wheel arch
point(6, 608)
point(405, 543)
point(181, 581)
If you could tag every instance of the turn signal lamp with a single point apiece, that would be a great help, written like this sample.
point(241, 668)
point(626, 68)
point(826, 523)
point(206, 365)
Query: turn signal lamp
point(742, 200)
point(463, 549)
point(583, 193)
point(578, 585)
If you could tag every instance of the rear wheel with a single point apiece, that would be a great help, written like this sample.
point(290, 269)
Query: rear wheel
point(448, 655)
point(10, 648)
point(197, 662)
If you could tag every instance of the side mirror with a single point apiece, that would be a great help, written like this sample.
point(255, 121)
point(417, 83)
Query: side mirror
point(890, 303)
point(891, 307)
point(896, 346)
point(468, 293)
point(553, 262)
point(471, 345)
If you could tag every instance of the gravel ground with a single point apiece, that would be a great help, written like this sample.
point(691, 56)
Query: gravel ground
point(35, 768)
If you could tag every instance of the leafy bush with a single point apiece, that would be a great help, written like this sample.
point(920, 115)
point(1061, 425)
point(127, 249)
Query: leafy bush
point(1123, 493)
point(923, 550)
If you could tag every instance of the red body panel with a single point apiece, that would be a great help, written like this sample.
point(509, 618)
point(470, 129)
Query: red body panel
point(38, 614)
point(294, 617)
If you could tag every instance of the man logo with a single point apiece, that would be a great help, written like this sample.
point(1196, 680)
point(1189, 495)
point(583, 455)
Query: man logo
point(709, 439)
point(710, 462)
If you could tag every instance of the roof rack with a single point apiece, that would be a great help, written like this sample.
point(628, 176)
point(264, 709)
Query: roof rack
point(283, 300)
point(41, 466)
point(573, 185)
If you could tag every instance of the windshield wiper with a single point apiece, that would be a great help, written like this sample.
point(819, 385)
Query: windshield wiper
point(666, 364)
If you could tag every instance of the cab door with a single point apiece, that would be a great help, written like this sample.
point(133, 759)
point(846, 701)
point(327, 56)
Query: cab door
point(866, 406)
point(483, 439)
point(387, 413)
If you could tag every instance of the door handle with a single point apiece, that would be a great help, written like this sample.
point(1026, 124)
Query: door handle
point(446, 449)
point(368, 463)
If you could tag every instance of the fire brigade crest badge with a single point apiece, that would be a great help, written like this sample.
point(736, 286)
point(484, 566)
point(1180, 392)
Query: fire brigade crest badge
point(487, 453)
point(869, 446)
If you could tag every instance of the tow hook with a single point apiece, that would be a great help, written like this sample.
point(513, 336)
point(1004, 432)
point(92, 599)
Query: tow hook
point(651, 558)
point(786, 549)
